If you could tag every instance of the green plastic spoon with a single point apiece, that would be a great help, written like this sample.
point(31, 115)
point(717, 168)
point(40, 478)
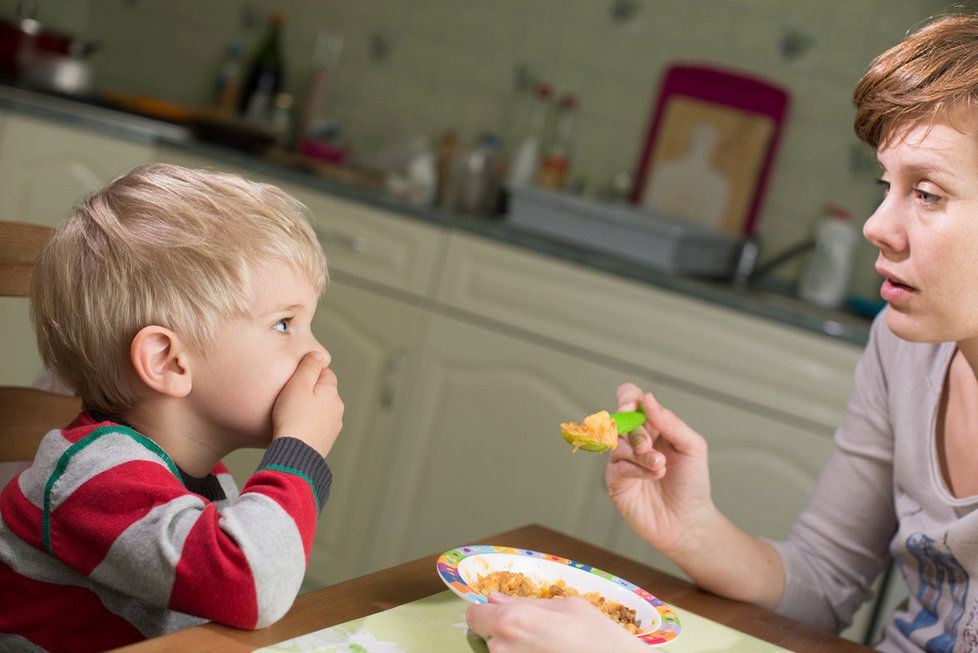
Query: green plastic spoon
point(628, 421)
point(577, 435)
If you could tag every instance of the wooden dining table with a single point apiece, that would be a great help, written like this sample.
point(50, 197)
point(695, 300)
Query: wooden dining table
point(414, 580)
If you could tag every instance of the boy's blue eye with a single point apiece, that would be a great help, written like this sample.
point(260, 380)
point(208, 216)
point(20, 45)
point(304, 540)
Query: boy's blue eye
point(282, 326)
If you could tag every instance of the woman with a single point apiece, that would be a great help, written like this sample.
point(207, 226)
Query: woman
point(903, 476)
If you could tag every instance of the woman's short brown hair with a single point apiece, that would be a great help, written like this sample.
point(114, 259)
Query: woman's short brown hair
point(926, 77)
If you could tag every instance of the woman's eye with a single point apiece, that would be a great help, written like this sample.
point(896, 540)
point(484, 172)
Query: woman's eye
point(927, 198)
point(885, 184)
point(282, 326)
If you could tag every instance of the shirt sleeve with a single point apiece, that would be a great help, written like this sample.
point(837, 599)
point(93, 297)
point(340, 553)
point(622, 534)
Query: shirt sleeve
point(838, 546)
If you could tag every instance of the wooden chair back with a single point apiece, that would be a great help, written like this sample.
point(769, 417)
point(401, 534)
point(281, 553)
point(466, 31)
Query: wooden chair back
point(26, 414)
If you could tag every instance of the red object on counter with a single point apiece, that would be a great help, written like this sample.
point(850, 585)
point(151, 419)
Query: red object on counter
point(15, 39)
point(322, 150)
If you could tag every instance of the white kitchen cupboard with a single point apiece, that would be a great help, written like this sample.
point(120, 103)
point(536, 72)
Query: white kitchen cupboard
point(768, 367)
point(44, 168)
point(480, 450)
point(766, 397)
point(576, 334)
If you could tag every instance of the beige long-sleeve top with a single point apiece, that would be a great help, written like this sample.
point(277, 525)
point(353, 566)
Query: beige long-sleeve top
point(883, 490)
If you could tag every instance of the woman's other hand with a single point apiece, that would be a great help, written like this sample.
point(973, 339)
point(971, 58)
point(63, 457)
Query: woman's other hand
point(567, 625)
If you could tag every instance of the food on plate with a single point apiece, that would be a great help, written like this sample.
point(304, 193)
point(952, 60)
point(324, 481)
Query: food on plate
point(519, 584)
point(597, 433)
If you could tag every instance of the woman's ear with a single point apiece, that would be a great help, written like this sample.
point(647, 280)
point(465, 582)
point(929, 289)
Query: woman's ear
point(161, 361)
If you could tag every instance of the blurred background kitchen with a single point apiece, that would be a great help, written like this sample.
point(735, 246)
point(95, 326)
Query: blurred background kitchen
point(399, 72)
point(491, 182)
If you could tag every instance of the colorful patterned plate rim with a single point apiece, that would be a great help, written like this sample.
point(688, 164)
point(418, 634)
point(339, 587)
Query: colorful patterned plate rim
point(448, 570)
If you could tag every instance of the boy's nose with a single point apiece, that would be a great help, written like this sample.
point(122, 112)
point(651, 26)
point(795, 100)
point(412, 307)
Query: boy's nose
point(318, 347)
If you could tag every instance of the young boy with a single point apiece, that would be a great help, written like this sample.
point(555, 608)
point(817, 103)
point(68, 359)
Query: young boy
point(178, 304)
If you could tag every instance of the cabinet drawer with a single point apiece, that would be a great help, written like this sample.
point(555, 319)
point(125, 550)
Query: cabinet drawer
point(792, 373)
point(373, 244)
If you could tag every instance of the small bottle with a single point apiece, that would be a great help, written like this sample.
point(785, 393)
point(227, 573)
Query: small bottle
point(480, 181)
point(265, 75)
point(447, 151)
point(556, 162)
point(825, 277)
point(325, 59)
point(526, 159)
point(228, 82)
point(280, 120)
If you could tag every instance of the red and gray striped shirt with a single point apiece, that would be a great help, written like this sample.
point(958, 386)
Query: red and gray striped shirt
point(105, 541)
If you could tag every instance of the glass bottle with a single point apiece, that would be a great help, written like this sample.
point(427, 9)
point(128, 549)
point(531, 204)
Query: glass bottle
point(556, 162)
point(228, 82)
point(265, 74)
point(526, 159)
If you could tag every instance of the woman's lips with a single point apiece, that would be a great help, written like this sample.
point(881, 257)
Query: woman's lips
point(894, 292)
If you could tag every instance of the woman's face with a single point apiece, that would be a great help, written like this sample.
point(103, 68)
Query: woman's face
point(926, 229)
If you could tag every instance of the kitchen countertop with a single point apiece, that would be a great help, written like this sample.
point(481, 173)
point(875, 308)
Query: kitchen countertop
point(762, 301)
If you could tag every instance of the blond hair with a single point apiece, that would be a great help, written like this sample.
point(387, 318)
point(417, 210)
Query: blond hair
point(162, 245)
point(925, 77)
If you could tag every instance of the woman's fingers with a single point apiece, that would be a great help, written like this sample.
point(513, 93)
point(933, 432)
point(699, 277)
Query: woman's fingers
point(628, 395)
point(669, 427)
point(480, 618)
point(640, 458)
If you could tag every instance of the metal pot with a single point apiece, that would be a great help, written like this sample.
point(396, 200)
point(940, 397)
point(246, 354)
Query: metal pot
point(70, 75)
point(26, 35)
point(44, 59)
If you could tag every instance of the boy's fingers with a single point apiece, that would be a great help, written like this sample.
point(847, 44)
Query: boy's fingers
point(308, 370)
point(327, 377)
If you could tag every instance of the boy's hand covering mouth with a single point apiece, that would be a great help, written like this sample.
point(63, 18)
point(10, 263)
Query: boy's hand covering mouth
point(309, 407)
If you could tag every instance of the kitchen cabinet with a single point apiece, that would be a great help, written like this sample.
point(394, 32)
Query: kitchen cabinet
point(44, 168)
point(480, 448)
point(604, 331)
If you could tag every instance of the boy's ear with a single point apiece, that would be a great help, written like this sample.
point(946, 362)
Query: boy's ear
point(161, 361)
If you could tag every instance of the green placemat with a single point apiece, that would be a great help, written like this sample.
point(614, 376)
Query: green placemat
point(436, 624)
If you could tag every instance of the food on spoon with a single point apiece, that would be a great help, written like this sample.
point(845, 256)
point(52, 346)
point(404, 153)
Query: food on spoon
point(518, 584)
point(597, 433)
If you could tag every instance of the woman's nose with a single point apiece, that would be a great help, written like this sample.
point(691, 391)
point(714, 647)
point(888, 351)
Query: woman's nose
point(884, 227)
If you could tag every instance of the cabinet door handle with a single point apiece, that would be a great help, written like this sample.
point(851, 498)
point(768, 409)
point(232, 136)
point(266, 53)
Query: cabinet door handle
point(388, 389)
point(358, 243)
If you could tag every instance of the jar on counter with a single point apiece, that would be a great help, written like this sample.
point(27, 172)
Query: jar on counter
point(825, 277)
